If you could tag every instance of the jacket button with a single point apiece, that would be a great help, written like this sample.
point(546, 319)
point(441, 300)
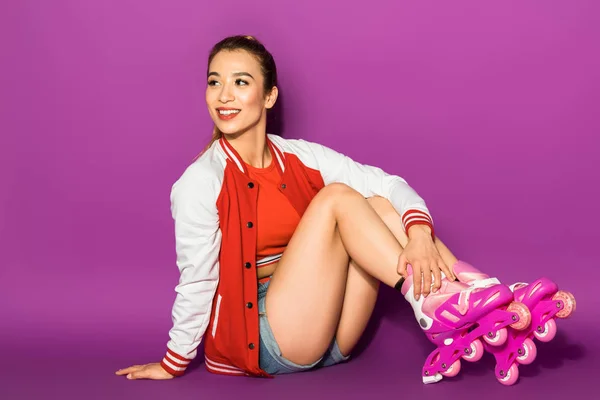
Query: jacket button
point(250, 185)
point(249, 304)
point(283, 186)
point(251, 346)
point(248, 265)
point(249, 225)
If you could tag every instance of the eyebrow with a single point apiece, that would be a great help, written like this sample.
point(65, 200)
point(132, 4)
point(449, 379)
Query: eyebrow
point(236, 74)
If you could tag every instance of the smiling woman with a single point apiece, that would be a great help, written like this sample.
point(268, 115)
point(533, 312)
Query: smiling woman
point(242, 86)
point(282, 244)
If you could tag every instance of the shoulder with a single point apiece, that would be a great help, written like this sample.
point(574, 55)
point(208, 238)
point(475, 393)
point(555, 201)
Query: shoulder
point(201, 181)
point(291, 144)
point(305, 150)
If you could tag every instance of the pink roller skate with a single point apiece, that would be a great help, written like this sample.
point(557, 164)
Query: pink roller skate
point(456, 316)
point(545, 302)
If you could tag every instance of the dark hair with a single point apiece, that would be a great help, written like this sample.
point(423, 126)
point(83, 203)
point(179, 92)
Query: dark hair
point(258, 50)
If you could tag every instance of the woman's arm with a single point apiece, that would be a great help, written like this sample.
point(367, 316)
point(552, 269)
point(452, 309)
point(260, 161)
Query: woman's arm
point(197, 242)
point(367, 180)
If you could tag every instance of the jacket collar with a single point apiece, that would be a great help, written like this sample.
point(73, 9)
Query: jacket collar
point(233, 155)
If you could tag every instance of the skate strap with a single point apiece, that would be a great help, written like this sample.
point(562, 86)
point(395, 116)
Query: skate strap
point(463, 297)
point(482, 283)
point(516, 285)
point(463, 301)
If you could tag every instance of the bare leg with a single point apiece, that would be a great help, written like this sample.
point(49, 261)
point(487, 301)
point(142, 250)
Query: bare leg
point(306, 294)
point(359, 301)
point(361, 288)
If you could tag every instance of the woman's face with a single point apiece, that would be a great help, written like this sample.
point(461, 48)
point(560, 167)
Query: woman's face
point(234, 94)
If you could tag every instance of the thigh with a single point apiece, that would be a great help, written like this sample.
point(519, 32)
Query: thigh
point(305, 296)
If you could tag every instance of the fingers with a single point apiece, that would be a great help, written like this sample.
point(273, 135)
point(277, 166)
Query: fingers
point(427, 275)
point(139, 374)
point(128, 370)
point(449, 274)
point(426, 280)
point(147, 371)
point(416, 267)
point(135, 372)
point(437, 283)
point(402, 266)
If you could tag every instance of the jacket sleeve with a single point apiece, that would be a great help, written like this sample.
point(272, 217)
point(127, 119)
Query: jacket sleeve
point(370, 181)
point(197, 242)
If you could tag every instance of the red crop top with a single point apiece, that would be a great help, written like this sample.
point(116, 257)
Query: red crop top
point(276, 218)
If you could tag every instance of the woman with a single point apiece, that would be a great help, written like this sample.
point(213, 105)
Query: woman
point(281, 244)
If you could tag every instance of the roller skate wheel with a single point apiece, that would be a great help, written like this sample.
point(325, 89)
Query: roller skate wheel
point(529, 352)
point(476, 351)
point(547, 332)
point(509, 377)
point(524, 315)
point(453, 370)
point(568, 301)
point(496, 339)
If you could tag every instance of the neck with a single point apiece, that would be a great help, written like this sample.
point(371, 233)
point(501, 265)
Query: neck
point(252, 147)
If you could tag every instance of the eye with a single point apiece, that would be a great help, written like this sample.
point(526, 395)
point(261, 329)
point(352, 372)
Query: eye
point(241, 82)
point(213, 82)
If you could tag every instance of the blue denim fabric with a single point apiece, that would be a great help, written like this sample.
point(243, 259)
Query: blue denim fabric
point(271, 359)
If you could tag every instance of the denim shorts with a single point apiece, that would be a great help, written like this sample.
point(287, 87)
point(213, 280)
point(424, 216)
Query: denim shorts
point(270, 357)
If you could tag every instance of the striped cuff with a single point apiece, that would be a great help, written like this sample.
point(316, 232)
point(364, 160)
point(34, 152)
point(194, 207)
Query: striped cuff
point(221, 368)
point(417, 217)
point(174, 364)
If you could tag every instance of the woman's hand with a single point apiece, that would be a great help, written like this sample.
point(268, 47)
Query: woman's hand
point(148, 371)
point(425, 260)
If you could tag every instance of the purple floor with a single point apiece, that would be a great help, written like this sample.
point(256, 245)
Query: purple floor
point(71, 345)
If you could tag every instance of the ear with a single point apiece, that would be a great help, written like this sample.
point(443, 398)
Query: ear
point(271, 98)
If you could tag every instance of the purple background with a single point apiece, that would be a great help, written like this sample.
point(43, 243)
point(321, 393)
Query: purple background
point(488, 109)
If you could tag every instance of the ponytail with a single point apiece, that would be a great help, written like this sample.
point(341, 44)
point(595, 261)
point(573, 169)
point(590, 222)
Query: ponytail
point(216, 135)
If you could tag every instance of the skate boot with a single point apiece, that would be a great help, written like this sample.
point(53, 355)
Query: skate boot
point(545, 302)
point(457, 316)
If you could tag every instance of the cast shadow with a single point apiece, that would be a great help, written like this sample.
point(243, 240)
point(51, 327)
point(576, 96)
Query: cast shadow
point(553, 354)
point(392, 307)
point(550, 355)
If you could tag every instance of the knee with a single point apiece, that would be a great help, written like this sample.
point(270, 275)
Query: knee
point(335, 192)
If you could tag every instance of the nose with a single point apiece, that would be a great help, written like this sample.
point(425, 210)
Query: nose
point(226, 94)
